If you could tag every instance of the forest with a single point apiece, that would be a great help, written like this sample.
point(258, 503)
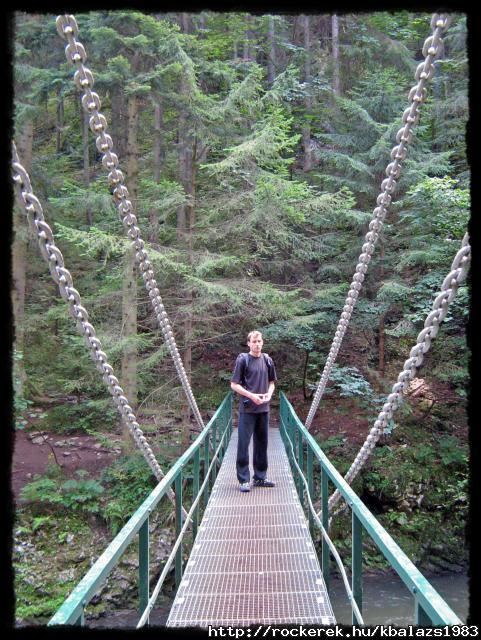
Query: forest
point(253, 148)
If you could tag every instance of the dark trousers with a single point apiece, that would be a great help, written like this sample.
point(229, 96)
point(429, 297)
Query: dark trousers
point(257, 425)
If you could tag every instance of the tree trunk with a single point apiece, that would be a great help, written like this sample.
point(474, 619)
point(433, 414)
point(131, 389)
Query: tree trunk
point(336, 78)
point(132, 149)
point(271, 56)
point(306, 129)
point(382, 318)
point(247, 39)
point(382, 342)
point(183, 149)
point(129, 325)
point(86, 163)
point(307, 396)
point(59, 122)
point(189, 183)
point(185, 22)
point(201, 26)
point(158, 160)
point(181, 211)
point(129, 286)
point(19, 265)
point(118, 136)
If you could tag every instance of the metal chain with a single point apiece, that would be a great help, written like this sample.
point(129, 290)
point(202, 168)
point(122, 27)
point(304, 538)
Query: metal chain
point(432, 49)
point(75, 52)
point(31, 204)
point(449, 288)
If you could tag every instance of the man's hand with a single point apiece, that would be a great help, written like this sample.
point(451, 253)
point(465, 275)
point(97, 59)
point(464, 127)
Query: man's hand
point(263, 397)
point(258, 398)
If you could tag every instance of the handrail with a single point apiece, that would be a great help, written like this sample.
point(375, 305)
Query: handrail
point(354, 607)
point(153, 598)
point(72, 610)
point(430, 608)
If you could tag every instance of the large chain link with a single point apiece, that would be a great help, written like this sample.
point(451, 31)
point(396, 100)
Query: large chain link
point(432, 49)
point(31, 204)
point(449, 288)
point(75, 52)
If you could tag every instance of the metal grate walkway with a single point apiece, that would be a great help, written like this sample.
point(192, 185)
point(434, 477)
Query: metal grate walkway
point(253, 560)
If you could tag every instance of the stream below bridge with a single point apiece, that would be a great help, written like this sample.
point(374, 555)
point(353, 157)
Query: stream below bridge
point(386, 599)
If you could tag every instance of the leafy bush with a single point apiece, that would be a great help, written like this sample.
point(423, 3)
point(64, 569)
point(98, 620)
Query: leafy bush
point(68, 418)
point(452, 452)
point(79, 495)
point(129, 481)
point(350, 382)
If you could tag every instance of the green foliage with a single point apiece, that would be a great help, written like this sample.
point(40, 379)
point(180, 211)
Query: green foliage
point(440, 207)
point(425, 292)
point(94, 242)
point(452, 453)
point(128, 482)
point(332, 443)
point(393, 292)
point(78, 495)
point(69, 418)
point(349, 382)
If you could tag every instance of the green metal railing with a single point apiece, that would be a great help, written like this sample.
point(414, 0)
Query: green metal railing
point(303, 450)
point(215, 438)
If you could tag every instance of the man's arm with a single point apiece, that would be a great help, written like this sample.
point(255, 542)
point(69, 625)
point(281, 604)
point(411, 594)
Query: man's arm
point(238, 388)
point(270, 391)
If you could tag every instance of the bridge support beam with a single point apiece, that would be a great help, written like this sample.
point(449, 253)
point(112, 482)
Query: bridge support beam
point(143, 566)
point(195, 491)
point(178, 528)
point(356, 564)
point(310, 484)
point(325, 524)
point(421, 618)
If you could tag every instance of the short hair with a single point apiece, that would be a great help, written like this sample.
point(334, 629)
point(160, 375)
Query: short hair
point(251, 334)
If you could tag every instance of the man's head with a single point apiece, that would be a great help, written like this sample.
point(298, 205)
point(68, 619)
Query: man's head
point(255, 342)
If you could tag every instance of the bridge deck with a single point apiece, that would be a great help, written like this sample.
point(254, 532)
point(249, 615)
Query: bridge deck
point(253, 560)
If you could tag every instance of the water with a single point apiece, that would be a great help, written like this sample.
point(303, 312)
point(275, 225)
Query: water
point(386, 599)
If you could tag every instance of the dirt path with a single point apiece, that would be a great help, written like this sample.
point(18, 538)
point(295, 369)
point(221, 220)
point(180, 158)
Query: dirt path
point(34, 450)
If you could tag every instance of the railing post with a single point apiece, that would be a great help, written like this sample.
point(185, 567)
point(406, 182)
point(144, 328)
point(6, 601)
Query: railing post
point(293, 438)
point(178, 527)
point(310, 484)
point(300, 462)
point(214, 447)
point(356, 563)
point(206, 467)
point(222, 431)
point(281, 421)
point(80, 622)
point(288, 436)
point(325, 524)
point(143, 566)
point(421, 618)
point(226, 429)
point(195, 491)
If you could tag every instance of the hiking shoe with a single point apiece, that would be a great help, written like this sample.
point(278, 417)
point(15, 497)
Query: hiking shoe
point(245, 487)
point(264, 483)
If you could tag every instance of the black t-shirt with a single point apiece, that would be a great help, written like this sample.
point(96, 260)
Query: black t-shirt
point(254, 374)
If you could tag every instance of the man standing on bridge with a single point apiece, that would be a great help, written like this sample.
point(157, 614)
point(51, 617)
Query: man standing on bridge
point(253, 379)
